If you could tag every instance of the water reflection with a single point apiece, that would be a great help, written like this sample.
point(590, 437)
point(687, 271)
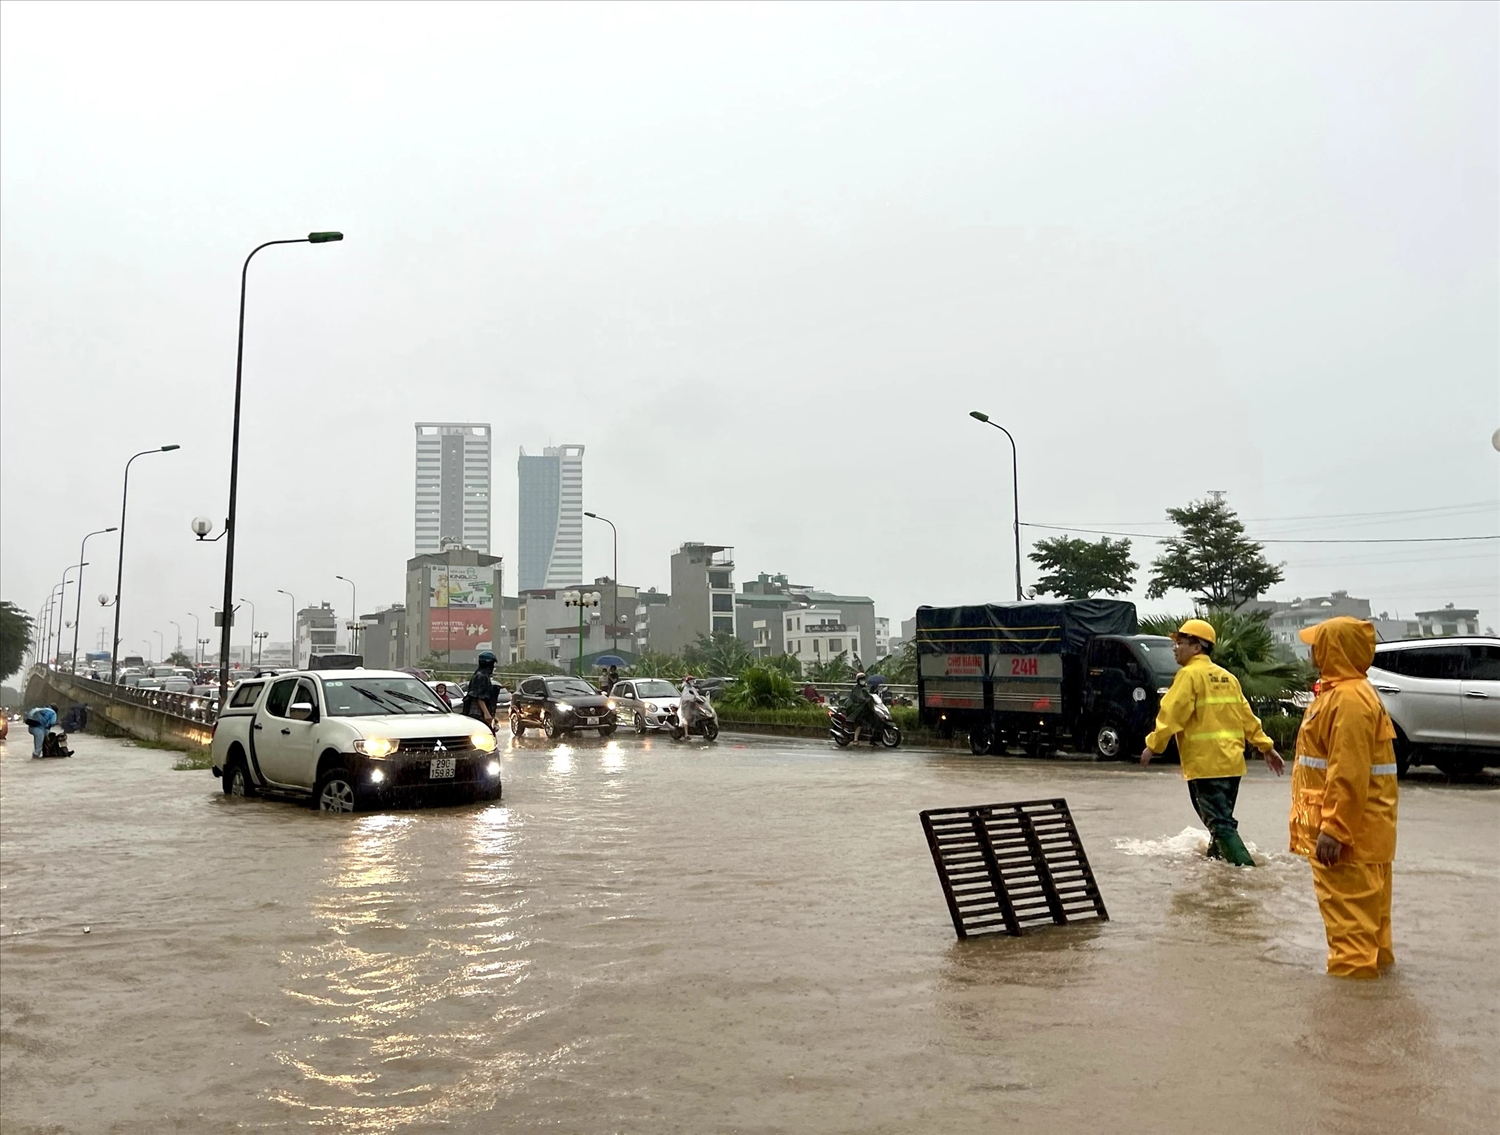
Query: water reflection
point(613, 759)
point(562, 760)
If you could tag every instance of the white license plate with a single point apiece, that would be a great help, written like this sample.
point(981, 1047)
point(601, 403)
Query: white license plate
point(441, 768)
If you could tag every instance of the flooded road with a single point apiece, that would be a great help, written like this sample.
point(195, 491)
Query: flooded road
point(644, 937)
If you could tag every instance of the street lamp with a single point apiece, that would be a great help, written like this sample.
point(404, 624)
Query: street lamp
point(175, 623)
point(234, 452)
point(614, 599)
point(293, 598)
point(353, 614)
point(45, 621)
point(197, 637)
point(161, 646)
point(1015, 489)
point(114, 645)
point(252, 630)
point(61, 606)
point(78, 597)
point(581, 600)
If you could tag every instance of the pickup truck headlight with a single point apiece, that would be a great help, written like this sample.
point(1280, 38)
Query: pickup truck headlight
point(376, 746)
point(483, 740)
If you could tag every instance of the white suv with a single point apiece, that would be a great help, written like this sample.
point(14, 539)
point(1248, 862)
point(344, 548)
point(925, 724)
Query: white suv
point(347, 739)
point(1444, 696)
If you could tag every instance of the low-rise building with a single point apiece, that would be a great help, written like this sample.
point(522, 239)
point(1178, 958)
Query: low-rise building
point(454, 607)
point(701, 601)
point(1285, 619)
point(819, 634)
point(317, 632)
point(384, 638)
point(1448, 620)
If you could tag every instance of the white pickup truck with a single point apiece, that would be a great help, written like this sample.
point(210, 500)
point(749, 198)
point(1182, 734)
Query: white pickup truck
point(350, 739)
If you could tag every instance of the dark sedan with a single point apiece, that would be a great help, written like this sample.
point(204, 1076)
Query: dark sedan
point(560, 706)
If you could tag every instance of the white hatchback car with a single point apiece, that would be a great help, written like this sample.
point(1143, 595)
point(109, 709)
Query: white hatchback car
point(645, 701)
point(1443, 694)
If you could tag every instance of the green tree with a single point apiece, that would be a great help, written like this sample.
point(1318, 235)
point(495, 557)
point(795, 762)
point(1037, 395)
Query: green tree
point(762, 687)
point(1247, 650)
point(650, 664)
point(178, 658)
point(1212, 559)
point(1077, 569)
point(15, 638)
point(718, 656)
point(837, 669)
point(788, 664)
point(900, 667)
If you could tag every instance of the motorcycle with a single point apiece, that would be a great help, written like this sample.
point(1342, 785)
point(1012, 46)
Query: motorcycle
point(702, 718)
point(841, 729)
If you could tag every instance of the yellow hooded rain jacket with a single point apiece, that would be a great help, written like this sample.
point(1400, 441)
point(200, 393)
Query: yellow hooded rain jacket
point(1344, 782)
point(1211, 720)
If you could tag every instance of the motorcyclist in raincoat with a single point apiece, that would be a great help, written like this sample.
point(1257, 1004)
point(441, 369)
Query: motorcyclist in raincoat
point(1344, 796)
point(859, 707)
point(1211, 720)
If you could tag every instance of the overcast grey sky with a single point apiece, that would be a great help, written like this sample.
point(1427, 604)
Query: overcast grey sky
point(761, 261)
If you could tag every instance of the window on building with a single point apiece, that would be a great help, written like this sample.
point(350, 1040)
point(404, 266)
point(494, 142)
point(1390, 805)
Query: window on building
point(720, 580)
point(835, 645)
point(723, 602)
point(723, 625)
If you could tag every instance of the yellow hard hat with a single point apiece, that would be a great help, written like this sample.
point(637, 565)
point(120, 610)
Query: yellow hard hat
point(1198, 628)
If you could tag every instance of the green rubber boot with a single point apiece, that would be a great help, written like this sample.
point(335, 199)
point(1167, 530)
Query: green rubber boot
point(1232, 848)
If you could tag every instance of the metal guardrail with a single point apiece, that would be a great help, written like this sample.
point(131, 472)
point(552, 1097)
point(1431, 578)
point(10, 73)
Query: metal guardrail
point(197, 708)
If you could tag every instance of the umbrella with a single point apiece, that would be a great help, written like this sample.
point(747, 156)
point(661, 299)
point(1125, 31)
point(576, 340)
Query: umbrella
point(609, 660)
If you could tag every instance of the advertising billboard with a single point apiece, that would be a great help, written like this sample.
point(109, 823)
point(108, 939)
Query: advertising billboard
point(461, 608)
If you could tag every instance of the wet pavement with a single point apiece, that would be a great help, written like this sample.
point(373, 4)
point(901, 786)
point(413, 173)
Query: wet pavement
point(646, 937)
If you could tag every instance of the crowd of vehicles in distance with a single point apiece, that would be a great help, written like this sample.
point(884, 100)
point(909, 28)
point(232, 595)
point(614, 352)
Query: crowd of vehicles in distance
point(560, 706)
point(1038, 674)
point(841, 729)
point(1443, 695)
point(645, 702)
point(350, 739)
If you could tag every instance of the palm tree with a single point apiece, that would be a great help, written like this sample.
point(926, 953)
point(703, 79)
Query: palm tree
point(1246, 649)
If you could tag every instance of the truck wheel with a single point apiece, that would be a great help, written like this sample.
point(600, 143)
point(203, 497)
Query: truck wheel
point(335, 791)
point(1110, 743)
point(237, 779)
point(979, 742)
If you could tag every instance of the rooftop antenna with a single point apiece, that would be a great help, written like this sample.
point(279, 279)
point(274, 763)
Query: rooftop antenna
point(1218, 495)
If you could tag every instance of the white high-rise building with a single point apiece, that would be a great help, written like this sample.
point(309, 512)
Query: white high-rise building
point(453, 486)
point(551, 516)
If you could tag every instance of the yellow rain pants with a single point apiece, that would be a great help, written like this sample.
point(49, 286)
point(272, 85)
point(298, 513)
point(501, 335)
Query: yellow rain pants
point(1355, 900)
point(1344, 787)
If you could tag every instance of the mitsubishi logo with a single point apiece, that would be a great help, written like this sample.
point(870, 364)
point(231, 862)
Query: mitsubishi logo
point(439, 747)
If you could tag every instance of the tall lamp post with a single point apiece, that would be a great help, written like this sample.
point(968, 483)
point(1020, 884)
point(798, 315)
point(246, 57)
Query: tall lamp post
point(114, 645)
point(582, 600)
point(78, 600)
point(353, 614)
point(62, 606)
point(614, 599)
point(252, 630)
point(1015, 487)
point(293, 598)
point(178, 648)
point(46, 623)
point(197, 638)
point(234, 453)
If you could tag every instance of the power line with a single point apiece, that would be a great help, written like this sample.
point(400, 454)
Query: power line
point(1369, 540)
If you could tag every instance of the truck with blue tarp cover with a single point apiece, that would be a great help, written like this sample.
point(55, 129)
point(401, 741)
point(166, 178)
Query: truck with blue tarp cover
point(1033, 674)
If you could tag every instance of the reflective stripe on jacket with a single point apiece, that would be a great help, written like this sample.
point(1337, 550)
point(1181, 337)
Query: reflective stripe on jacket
point(1211, 720)
point(1344, 781)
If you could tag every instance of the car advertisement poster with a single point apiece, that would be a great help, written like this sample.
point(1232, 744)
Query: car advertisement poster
point(461, 601)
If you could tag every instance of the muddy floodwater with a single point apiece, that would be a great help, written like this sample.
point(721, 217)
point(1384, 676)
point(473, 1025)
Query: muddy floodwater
point(646, 937)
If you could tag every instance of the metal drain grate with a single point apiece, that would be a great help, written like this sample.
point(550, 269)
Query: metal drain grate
point(1006, 868)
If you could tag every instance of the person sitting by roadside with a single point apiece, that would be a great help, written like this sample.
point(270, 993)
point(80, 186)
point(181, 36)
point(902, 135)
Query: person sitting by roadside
point(38, 721)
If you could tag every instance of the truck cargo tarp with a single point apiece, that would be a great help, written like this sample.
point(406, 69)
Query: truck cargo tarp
point(1022, 628)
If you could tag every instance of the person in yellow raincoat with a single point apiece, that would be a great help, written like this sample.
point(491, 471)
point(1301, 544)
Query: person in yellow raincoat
point(1344, 799)
point(1208, 715)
